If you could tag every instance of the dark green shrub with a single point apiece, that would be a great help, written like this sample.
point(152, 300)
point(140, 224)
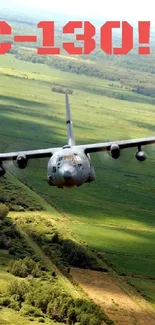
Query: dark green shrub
point(15, 305)
point(5, 301)
point(3, 241)
point(3, 211)
point(18, 289)
point(76, 255)
point(12, 251)
point(18, 268)
point(71, 315)
point(41, 320)
point(24, 267)
point(32, 311)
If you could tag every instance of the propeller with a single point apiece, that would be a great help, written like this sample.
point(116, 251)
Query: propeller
point(150, 152)
point(125, 159)
point(11, 165)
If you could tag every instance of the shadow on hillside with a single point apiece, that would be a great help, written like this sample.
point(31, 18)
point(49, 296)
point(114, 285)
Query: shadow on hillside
point(62, 252)
point(145, 125)
point(12, 242)
point(16, 198)
point(112, 93)
point(23, 102)
point(31, 130)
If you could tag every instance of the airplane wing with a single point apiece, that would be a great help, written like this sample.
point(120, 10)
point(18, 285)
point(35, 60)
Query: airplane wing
point(30, 154)
point(121, 143)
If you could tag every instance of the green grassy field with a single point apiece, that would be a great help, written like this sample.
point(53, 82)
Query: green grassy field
point(115, 214)
point(21, 306)
point(9, 316)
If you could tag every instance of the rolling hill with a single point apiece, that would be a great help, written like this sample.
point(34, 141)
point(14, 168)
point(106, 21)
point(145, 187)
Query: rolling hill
point(113, 218)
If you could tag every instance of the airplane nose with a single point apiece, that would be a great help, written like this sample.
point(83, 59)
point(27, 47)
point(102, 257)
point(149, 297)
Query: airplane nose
point(67, 172)
point(67, 175)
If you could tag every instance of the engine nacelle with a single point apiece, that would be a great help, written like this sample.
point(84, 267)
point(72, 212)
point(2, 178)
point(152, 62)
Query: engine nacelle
point(2, 171)
point(92, 175)
point(21, 162)
point(141, 155)
point(115, 151)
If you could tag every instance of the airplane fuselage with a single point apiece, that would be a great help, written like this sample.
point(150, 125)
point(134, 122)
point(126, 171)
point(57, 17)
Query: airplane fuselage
point(69, 167)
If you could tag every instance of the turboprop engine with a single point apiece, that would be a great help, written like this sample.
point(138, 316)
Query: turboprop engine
point(115, 151)
point(21, 162)
point(141, 155)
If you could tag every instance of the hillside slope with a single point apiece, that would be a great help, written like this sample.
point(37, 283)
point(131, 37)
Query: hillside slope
point(104, 288)
point(114, 216)
point(31, 260)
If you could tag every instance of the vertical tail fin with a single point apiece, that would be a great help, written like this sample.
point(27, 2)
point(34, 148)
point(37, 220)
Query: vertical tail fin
point(70, 134)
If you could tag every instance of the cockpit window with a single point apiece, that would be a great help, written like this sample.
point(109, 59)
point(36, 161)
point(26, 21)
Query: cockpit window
point(77, 157)
point(68, 157)
point(74, 158)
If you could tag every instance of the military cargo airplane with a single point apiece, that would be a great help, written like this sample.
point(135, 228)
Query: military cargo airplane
point(70, 165)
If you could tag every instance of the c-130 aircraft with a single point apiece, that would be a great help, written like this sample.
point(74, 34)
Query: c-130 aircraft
point(70, 166)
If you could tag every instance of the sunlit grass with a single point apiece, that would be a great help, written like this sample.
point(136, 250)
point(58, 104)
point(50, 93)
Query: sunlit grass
point(123, 195)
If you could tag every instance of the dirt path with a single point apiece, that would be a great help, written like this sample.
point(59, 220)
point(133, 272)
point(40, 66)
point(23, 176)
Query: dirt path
point(116, 303)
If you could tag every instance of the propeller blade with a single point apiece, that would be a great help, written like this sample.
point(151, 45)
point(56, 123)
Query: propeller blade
point(125, 159)
point(150, 151)
point(32, 165)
